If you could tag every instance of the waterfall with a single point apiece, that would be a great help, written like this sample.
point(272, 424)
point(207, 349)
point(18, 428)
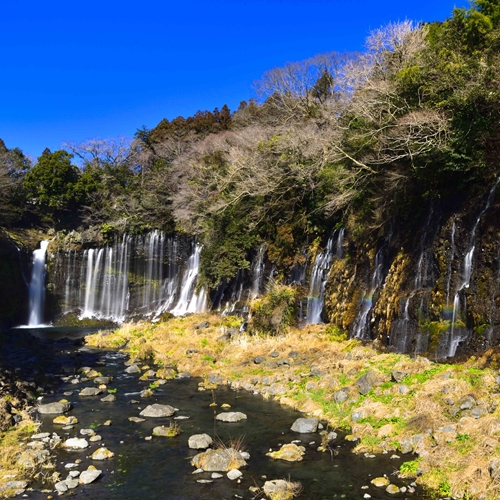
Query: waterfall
point(319, 277)
point(191, 301)
point(37, 286)
point(459, 333)
point(257, 271)
point(361, 327)
point(450, 263)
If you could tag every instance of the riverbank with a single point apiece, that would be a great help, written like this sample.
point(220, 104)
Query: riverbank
point(389, 403)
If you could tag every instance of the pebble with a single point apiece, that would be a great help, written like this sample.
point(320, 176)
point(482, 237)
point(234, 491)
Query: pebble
point(216, 475)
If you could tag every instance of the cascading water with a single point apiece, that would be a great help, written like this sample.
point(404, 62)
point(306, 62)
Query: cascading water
point(361, 327)
point(319, 276)
point(37, 286)
point(191, 301)
point(257, 272)
point(458, 331)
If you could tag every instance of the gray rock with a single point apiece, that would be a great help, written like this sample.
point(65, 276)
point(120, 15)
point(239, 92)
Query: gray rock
point(132, 369)
point(366, 382)
point(405, 445)
point(61, 486)
point(71, 483)
point(89, 476)
point(478, 411)
point(259, 359)
point(183, 375)
point(274, 354)
point(340, 396)
point(200, 441)
point(234, 474)
point(215, 378)
point(202, 325)
point(231, 416)
point(102, 380)
point(467, 403)
point(275, 488)
point(294, 354)
point(310, 386)
point(157, 411)
point(90, 391)
point(494, 469)
point(76, 443)
point(109, 398)
point(54, 408)
point(218, 460)
point(305, 425)
point(403, 389)
point(398, 375)
point(42, 435)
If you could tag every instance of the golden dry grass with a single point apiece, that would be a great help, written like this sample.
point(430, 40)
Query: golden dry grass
point(457, 466)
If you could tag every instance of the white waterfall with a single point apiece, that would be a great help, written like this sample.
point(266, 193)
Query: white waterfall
point(360, 328)
point(37, 286)
point(257, 271)
point(459, 334)
point(191, 301)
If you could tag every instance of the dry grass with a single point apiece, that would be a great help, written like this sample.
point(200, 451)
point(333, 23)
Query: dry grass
point(458, 466)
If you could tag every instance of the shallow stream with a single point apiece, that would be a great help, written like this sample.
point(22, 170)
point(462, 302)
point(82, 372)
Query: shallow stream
point(160, 468)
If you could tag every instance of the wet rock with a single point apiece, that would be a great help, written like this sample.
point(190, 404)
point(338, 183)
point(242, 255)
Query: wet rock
point(392, 489)
point(132, 369)
point(158, 411)
point(62, 420)
point(102, 380)
point(102, 454)
point(71, 483)
point(277, 488)
point(136, 419)
point(76, 443)
point(146, 393)
point(231, 416)
point(90, 391)
point(218, 460)
point(87, 432)
point(58, 407)
point(200, 441)
point(109, 398)
point(380, 482)
point(305, 425)
point(89, 476)
point(183, 375)
point(95, 438)
point(289, 452)
point(234, 474)
point(61, 486)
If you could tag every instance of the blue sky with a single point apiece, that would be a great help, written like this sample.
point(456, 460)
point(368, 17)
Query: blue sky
point(72, 70)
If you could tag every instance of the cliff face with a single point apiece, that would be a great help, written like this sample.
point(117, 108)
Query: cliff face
point(15, 262)
point(429, 289)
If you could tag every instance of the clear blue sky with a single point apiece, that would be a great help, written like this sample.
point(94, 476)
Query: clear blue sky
point(78, 69)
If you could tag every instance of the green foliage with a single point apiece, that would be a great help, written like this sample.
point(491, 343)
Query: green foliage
point(52, 186)
point(275, 312)
point(410, 468)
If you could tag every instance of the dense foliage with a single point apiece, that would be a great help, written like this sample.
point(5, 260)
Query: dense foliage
point(359, 139)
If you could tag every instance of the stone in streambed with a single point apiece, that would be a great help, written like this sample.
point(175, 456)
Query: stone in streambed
point(231, 416)
point(102, 380)
point(157, 411)
point(62, 420)
point(90, 391)
point(102, 454)
point(380, 482)
point(58, 407)
point(132, 369)
point(392, 489)
point(234, 474)
point(289, 452)
point(76, 443)
point(200, 441)
point(136, 419)
point(305, 425)
point(218, 460)
point(109, 398)
point(89, 476)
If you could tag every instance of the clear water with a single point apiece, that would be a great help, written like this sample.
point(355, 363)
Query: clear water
point(160, 468)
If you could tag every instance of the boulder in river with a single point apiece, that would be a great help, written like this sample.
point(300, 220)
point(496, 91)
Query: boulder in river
point(89, 476)
point(231, 416)
point(102, 454)
point(289, 452)
point(58, 407)
point(76, 443)
point(157, 411)
point(90, 391)
point(223, 460)
point(305, 425)
point(200, 441)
